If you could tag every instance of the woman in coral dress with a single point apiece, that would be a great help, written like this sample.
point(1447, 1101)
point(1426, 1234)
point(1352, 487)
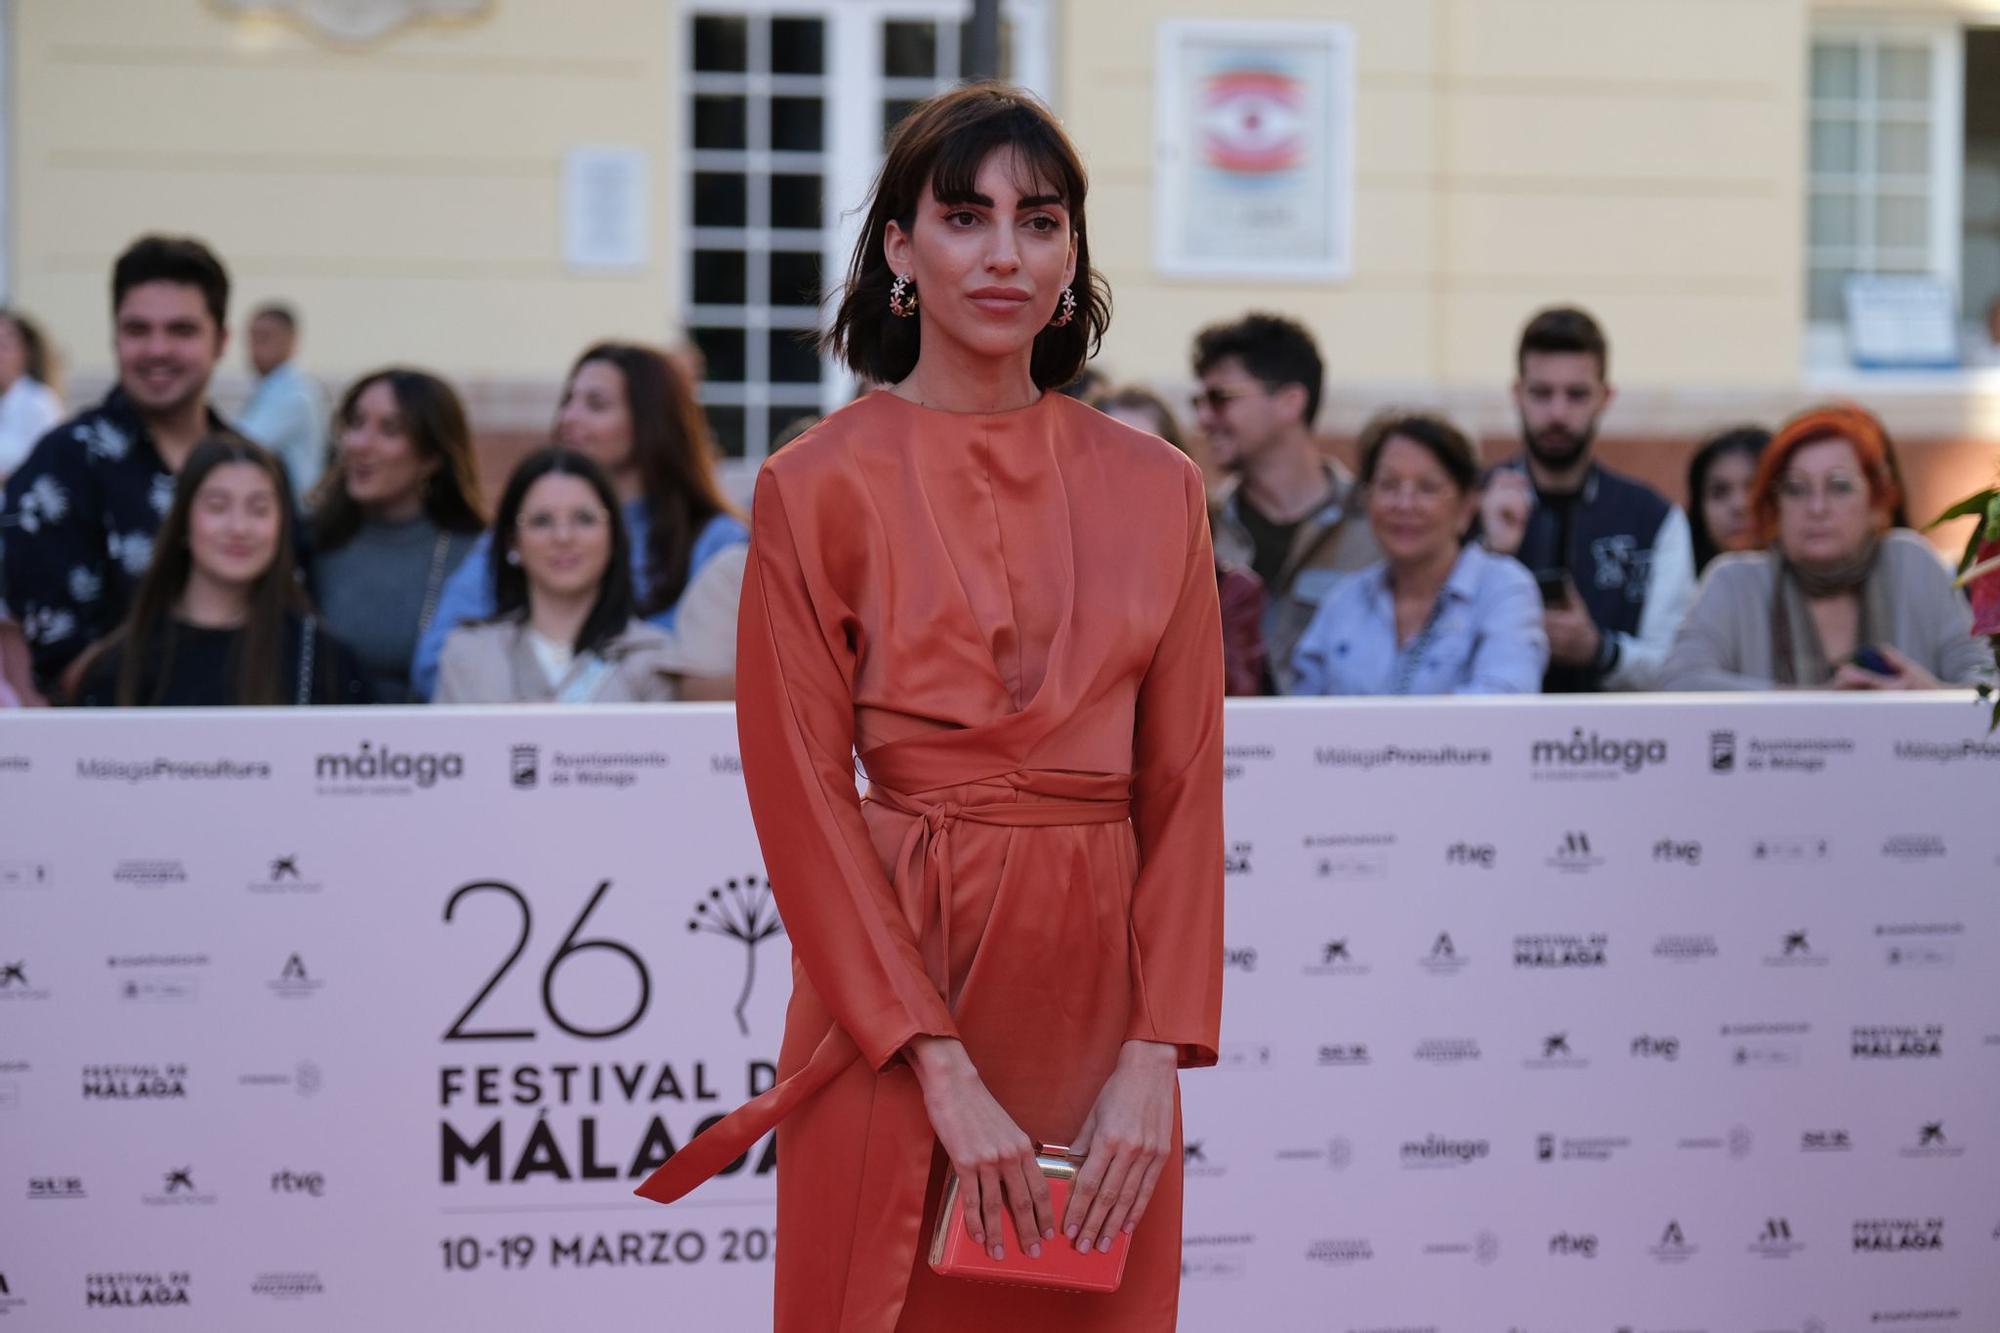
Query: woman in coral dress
point(1004, 602)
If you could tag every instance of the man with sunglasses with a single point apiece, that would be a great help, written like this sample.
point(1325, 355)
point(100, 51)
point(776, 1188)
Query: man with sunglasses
point(1285, 511)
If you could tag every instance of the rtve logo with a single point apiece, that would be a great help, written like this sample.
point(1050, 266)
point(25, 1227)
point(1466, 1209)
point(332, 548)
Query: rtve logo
point(1479, 854)
point(312, 1183)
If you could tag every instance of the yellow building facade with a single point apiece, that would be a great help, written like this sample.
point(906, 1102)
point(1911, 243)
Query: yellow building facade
point(485, 186)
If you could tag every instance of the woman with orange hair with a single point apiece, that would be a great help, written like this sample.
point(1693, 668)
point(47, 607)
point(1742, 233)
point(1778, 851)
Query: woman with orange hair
point(1840, 599)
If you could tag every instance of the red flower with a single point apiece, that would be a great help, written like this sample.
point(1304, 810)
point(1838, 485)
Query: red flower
point(1985, 590)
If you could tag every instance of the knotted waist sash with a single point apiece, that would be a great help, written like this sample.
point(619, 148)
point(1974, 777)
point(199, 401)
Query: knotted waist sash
point(898, 1150)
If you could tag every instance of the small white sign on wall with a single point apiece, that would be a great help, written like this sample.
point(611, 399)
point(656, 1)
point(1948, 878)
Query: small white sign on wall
point(605, 214)
point(1254, 150)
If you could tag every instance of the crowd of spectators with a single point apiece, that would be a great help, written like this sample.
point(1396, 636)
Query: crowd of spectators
point(153, 553)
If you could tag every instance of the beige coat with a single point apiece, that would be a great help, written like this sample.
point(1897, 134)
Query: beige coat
point(493, 663)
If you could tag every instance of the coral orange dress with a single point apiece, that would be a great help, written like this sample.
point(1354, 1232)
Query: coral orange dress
point(1012, 619)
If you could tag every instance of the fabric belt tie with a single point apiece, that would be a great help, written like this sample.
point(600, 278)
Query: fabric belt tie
point(921, 876)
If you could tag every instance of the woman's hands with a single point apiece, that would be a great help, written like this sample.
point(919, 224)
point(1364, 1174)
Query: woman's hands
point(993, 1159)
point(1124, 1144)
point(1909, 675)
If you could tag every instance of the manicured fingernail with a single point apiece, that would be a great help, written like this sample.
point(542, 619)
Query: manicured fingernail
point(978, 1239)
point(1034, 1251)
point(998, 1254)
point(1129, 1226)
point(1048, 1233)
point(1104, 1245)
point(1071, 1232)
point(1083, 1245)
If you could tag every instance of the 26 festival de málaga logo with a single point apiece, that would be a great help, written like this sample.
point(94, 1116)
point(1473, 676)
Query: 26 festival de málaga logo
point(563, 1119)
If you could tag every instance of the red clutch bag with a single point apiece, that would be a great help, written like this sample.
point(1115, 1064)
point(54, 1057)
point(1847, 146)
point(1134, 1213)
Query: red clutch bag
point(1061, 1267)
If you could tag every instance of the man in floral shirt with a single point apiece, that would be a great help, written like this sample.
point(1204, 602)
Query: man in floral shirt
point(76, 530)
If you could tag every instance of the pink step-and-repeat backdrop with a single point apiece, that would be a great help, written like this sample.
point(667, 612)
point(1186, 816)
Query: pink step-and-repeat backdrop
point(1666, 1016)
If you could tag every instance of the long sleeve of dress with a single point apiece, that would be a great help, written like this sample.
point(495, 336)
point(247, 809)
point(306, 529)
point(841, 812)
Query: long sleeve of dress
point(1177, 815)
point(795, 720)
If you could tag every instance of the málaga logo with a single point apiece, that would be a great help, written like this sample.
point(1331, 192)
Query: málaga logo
point(373, 767)
point(1589, 755)
point(740, 910)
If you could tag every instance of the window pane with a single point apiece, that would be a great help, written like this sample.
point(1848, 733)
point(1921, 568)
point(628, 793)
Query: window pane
point(909, 50)
point(793, 360)
point(795, 202)
point(723, 350)
point(721, 44)
point(1833, 219)
point(893, 112)
point(720, 200)
point(720, 122)
point(795, 124)
point(725, 425)
point(794, 278)
point(1824, 298)
point(798, 46)
point(1902, 221)
point(1836, 70)
point(1903, 73)
point(1836, 146)
point(1901, 148)
point(719, 277)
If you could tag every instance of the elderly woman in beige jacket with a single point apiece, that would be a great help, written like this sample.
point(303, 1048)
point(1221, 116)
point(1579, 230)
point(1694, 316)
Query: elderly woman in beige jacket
point(564, 631)
point(1840, 600)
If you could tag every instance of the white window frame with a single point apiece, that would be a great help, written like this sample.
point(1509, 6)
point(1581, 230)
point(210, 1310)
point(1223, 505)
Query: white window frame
point(853, 88)
point(1825, 343)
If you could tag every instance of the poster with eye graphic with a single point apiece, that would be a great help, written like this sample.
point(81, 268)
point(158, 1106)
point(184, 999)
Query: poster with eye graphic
point(1254, 157)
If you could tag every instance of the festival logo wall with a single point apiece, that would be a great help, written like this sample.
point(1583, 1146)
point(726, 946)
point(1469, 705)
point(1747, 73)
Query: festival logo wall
point(372, 1028)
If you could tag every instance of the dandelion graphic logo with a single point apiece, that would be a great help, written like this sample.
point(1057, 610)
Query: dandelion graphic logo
point(741, 910)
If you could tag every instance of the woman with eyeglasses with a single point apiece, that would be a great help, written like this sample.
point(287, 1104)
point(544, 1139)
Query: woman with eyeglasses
point(564, 629)
point(631, 410)
point(1841, 599)
point(1438, 614)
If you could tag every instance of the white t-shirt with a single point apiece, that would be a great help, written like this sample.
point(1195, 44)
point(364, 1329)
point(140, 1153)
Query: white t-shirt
point(28, 410)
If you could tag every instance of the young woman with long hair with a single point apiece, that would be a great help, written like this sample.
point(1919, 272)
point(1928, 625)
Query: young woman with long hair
point(1005, 603)
point(219, 617)
point(563, 629)
point(1718, 493)
point(396, 514)
point(628, 408)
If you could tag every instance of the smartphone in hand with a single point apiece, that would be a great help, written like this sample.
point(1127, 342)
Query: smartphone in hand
point(1869, 658)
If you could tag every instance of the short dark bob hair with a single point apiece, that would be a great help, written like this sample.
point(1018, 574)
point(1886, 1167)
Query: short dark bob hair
point(1433, 434)
point(940, 146)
